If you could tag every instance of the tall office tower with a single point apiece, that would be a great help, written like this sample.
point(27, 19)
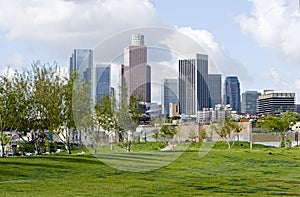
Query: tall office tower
point(135, 71)
point(272, 102)
point(193, 84)
point(168, 94)
point(214, 87)
point(80, 61)
point(102, 80)
point(232, 93)
point(249, 100)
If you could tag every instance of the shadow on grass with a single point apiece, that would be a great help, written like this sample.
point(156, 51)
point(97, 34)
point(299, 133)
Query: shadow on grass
point(42, 161)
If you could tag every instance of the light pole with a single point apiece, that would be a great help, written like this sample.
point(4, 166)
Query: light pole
point(250, 133)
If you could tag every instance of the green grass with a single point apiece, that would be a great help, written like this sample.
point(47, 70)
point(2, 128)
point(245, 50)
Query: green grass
point(262, 171)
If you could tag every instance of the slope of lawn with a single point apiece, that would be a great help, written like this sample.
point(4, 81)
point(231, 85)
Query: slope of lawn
point(262, 171)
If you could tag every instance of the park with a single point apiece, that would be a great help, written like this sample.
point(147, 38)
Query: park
point(262, 171)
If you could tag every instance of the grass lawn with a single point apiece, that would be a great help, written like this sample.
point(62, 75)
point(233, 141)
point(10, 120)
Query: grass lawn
point(238, 172)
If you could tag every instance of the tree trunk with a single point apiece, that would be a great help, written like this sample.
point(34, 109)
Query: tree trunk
point(2, 146)
point(282, 140)
point(229, 145)
point(68, 147)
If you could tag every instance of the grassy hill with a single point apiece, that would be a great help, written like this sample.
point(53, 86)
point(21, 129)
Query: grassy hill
point(260, 172)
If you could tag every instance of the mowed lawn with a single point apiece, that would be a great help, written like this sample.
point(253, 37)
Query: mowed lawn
point(237, 172)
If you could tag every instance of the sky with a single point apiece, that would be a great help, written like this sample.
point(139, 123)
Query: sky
point(252, 39)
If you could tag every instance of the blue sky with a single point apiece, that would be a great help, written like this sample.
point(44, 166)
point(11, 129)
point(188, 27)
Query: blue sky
point(253, 39)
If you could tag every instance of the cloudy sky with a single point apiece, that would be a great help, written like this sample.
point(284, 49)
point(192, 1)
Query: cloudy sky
point(253, 39)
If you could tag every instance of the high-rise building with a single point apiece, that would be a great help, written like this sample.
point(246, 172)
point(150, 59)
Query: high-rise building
point(80, 61)
point(168, 94)
point(97, 77)
point(249, 100)
point(272, 102)
point(232, 93)
point(102, 80)
point(135, 72)
point(215, 89)
point(193, 84)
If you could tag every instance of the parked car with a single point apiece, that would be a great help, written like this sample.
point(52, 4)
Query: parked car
point(29, 154)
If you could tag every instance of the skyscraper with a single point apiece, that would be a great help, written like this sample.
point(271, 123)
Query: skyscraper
point(249, 100)
point(193, 84)
point(232, 93)
point(136, 72)
point(214, 86)
point(102, 80)
point(97, 77)
point(81, 60)
point(168, 94)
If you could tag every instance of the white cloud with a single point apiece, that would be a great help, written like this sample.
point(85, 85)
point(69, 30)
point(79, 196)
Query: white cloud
point(221, 61)
point(53, 20)
point(274, 24)
point(60, 26)
point(274, 76)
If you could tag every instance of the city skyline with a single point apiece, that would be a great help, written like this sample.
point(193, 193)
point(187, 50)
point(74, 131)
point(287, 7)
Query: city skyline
point(197, 90)
point(256, 40)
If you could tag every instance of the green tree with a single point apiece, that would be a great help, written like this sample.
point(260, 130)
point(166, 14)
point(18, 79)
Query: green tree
point(158, 122)
point(83, 111)
point(135, 110)
point(167, 132)
point(279, 123)
point(156, 134)
point(227, 130)
point(105, 116)
point(4, 142)
point(105, 113)
point(46, 84)
point(67, 119)
point(13, 103)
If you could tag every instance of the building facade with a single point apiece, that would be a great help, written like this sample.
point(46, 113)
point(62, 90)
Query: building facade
point(273, 102)
point(173, 110)
point(193, 84)
point(211, 115)
point(249, 101)
point(80, 61)
point(232, 95)
point(102, 85)
point(135, 71)
point(215, 89)
point(168, 94)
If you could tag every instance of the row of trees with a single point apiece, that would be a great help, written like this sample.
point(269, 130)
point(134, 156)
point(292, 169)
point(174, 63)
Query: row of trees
point(281, 123)
point(36, 100)
point(41, 99)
